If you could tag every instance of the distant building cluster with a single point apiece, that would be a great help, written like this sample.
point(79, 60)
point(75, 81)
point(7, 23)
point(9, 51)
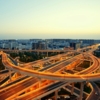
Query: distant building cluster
point(51, 44)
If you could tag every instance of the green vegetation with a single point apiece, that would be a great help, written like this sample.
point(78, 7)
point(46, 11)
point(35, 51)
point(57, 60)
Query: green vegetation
point(31, 56)
point(87, 89)
point(27, 56)
point(13, 55)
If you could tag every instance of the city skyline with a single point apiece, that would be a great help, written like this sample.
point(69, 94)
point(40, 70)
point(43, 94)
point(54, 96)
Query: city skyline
point(49, 19)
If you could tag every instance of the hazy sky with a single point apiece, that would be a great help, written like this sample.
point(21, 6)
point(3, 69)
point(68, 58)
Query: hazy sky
point(49, 19)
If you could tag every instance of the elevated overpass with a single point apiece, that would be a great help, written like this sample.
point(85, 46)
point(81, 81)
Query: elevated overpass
point(55, 76)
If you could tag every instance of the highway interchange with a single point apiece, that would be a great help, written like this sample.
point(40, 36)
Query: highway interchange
point(52, 75)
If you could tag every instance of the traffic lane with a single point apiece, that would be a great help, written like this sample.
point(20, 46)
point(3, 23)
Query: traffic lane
point(17, 80)
point(7, 93)
point(42, 91)
point(50, 66)
point(61, 65)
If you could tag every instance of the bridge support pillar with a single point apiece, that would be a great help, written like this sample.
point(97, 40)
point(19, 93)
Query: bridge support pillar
point(56, 95)
point(81, 90)
point(72, 91)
